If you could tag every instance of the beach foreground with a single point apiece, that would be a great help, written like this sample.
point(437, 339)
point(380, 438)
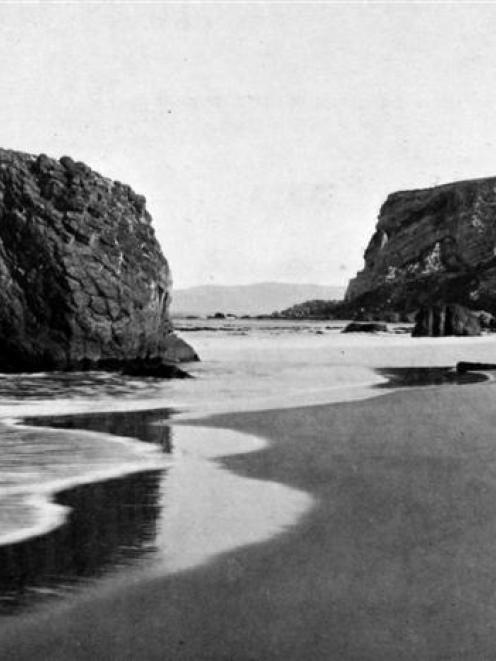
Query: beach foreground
point(396, 560)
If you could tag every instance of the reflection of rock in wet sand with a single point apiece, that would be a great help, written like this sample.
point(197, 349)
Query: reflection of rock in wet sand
point(135, 424)
point(112, 524)
point(198, 511)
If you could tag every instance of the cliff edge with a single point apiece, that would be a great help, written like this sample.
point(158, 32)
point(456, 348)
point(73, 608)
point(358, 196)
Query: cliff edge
point(83, 281)
point(429, 246)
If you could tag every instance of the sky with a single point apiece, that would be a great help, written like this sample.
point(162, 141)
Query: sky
point(264, 136)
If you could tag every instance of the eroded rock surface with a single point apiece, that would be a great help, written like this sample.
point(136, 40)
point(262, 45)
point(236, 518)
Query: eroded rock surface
point(441, 320)
point(429, 246)
point(83, 281)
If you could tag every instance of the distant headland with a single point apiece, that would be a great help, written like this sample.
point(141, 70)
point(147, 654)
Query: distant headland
point(433, 253)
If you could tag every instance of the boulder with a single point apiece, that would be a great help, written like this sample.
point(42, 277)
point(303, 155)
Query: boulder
point(365, 327)
point(83, 281)
point(177, 350)
point(450, 319)
point(486, 320)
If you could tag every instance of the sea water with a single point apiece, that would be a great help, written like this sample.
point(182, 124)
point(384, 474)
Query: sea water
point(61, 431)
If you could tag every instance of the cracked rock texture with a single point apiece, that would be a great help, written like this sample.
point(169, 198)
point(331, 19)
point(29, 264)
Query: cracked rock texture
point(430, 246)
point(83, 281)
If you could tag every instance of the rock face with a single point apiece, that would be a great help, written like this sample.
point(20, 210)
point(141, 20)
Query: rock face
point(429, 246)
point(440, 320)
point(83, 281)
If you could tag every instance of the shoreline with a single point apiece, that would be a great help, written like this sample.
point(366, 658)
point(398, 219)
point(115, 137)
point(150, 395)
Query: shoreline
point(49, 497)
point(46, 497)
point(403, 526)
point(32, 568)
point(176, 513)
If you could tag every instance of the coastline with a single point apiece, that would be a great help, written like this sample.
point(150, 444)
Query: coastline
point(393, 562)
point(45, 498)
point(122, 521)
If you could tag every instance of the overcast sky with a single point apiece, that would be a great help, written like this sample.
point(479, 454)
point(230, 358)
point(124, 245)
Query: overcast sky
point(265, 137)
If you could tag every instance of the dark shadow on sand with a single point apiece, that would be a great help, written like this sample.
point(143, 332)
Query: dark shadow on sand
point(134, 424)
point(403, 377)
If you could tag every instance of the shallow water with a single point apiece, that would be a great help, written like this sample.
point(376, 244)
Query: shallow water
point(35, 464)
point(164, 520)
point(138, 493)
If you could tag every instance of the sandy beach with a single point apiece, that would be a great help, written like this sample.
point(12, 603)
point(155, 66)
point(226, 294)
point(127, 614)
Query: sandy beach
point(395, 560)
point(247, 330)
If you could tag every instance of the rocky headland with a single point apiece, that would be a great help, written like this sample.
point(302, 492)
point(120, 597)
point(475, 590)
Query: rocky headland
point(83, 281)
point(431, 258)
point(431, 246)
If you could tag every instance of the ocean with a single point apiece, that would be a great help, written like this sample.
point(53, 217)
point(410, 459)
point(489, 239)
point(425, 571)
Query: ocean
point(98, 481)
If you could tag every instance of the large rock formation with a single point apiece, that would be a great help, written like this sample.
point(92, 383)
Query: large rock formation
point(439, 320)
point(430, 246)
point(83, 281)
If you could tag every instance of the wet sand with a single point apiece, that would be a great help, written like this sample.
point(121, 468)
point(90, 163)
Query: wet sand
point(396, 560)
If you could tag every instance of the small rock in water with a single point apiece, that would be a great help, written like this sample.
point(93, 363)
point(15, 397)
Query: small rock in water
point(366, 327)
point(446, 319)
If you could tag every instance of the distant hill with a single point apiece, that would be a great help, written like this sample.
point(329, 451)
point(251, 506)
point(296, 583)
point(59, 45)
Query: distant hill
point(259, 298)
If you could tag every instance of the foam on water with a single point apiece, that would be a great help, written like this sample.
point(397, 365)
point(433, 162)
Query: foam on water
point(37, 463)
point(249, 366)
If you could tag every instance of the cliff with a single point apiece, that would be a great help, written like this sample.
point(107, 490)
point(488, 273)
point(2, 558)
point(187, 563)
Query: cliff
point(429, 246)
point(83, 281)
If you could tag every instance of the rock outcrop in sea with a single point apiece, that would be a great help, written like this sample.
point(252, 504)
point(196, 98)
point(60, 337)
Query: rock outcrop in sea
point(431, 246)
point(83, 281)
point(452, 319)
point(365, 327)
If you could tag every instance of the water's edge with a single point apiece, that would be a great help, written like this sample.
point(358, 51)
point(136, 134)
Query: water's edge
point(223, 513)
point(68, 503)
